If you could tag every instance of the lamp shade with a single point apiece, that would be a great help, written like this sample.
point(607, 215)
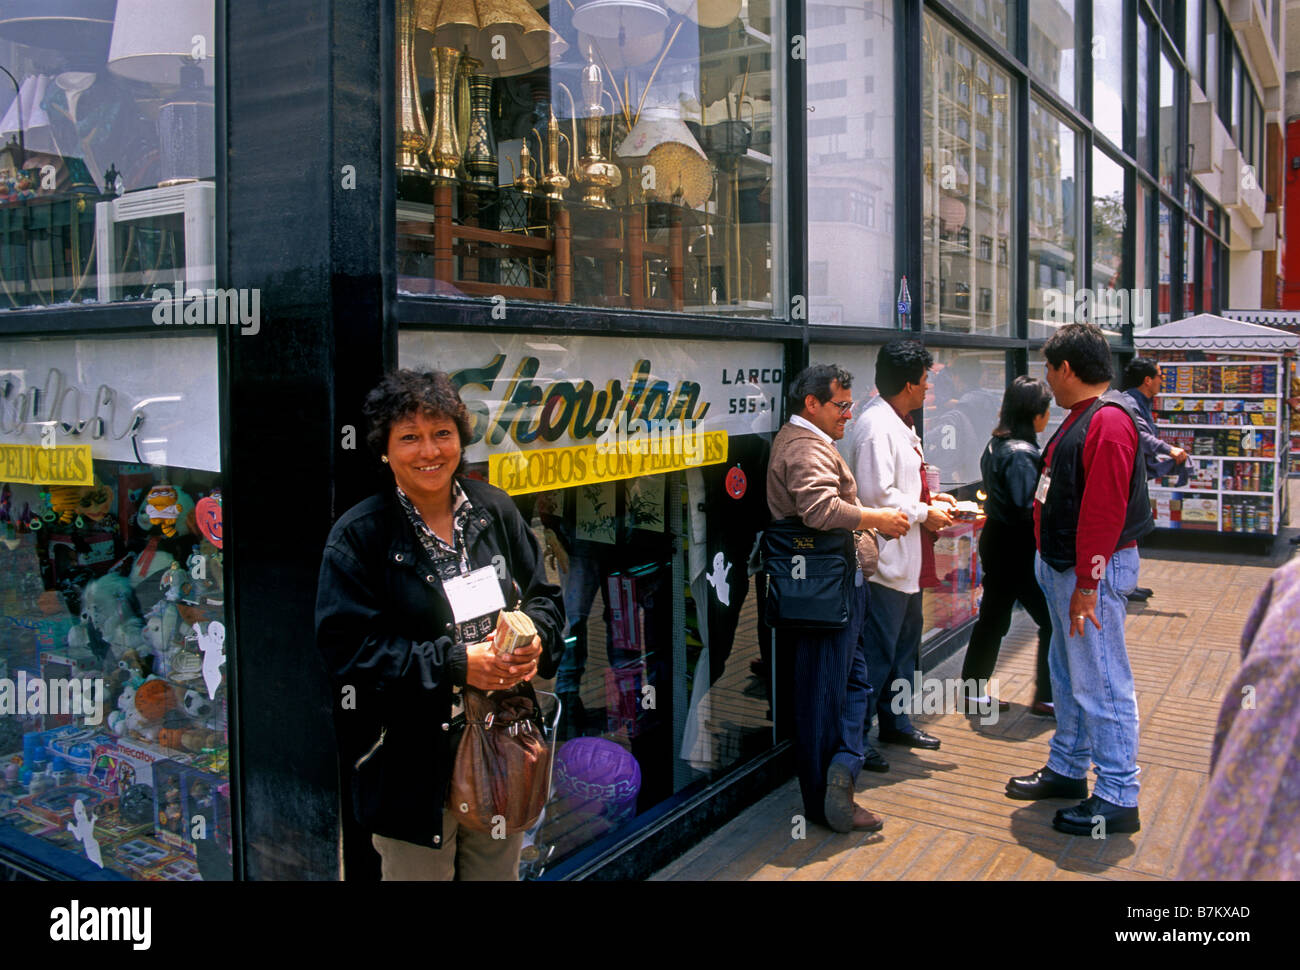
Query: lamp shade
point(614, 18)
point(506, 37)
point(707, 13)
point(618, 54)
point(152, 45)
point(681, 169)
point(65, 25)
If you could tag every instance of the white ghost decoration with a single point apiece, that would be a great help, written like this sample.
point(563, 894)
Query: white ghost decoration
point(718, 579)
point(83, 830)
point(211, 644)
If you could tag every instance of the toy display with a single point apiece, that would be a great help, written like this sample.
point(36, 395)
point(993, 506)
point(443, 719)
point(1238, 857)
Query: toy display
point(119, 584)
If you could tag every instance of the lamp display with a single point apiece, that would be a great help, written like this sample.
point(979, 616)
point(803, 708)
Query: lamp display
point(680, 169)
point(501, 38)
point(594, 171)
point(707, 13)
point(176, 51)
point(63, 25)
point(620, 18)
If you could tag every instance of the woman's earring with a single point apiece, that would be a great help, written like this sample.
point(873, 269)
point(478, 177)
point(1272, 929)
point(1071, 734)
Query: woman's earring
point(384, 459)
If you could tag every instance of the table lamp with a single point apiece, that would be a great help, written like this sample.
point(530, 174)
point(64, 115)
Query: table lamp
point(173, 48)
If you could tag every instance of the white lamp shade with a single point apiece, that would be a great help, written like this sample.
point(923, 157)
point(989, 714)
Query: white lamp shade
point(152, 44)
point(65, 25)
point(630, 52)
point(609, 18)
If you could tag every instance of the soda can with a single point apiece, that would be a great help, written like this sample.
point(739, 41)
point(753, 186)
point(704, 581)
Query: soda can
point(1248, 519)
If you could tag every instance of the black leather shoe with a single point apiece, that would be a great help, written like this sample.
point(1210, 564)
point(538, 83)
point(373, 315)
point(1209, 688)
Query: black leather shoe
point(874, 762)
point(1140, 595)
point(915, 739)
point(1046, 783)
point(1095, 814)
point(985, 707)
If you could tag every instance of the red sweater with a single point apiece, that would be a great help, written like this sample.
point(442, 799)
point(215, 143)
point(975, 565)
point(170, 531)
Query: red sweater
point(1108, 454)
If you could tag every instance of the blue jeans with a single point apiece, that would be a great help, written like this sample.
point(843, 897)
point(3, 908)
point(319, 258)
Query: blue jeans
point(1092, 683)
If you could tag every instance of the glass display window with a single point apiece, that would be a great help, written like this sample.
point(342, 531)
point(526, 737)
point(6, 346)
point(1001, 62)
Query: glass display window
point(114, 730)
point(1109, 56)
point(1054, 228)
point(996, 18)
point(643, 476)
point(107, 155)
point(961, 411)
point(1051, 45)
point(1114, 304)
point(611, 153)
point(968, 147)
point(851, 165)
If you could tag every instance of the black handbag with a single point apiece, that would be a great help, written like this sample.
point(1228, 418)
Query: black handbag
point(810, 576)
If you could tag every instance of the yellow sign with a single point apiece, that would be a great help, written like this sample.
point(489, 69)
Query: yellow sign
point(35, 465)
point(520, 472)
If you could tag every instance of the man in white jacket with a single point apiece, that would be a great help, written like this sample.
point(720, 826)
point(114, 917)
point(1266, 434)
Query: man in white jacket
point(885, 454)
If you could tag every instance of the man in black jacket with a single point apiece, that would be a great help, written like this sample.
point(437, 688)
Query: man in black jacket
point(1141, 384)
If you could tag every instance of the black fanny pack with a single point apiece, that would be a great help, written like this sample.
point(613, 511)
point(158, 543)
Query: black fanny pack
point(810, 576)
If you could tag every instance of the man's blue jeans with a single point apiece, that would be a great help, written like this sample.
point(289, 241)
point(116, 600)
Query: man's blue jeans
point(1092, 683)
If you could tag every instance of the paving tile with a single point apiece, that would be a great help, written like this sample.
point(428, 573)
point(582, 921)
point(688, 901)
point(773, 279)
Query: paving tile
point(946, 813)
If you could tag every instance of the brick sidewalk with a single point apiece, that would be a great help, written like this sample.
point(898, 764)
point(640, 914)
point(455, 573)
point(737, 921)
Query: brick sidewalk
point(946, 816)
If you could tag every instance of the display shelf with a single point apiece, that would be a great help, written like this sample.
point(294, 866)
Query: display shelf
point(1235, 397)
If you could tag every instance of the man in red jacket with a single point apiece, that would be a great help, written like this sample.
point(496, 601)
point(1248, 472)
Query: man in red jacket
point(1090, 508)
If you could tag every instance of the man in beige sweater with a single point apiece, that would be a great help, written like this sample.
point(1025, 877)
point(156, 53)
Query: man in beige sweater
point(807, 478)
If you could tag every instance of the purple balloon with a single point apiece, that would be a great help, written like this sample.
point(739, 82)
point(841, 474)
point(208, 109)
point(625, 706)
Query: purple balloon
point(599, 772)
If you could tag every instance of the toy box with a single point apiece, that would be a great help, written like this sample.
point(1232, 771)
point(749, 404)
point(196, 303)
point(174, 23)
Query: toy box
point(187, 805)
point(121, 763)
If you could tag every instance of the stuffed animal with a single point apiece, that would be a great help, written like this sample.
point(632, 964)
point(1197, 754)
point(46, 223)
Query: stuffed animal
point(65, 501)
point(117, 720)
point(111, 610)
point(154, 699)
point(162, 506)
point(96, 503)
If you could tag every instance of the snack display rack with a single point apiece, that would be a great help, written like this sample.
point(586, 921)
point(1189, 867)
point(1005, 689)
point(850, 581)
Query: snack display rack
point(1223, 398)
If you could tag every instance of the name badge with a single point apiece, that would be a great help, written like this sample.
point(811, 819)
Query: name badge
point(475, 594)
point(1044, 483)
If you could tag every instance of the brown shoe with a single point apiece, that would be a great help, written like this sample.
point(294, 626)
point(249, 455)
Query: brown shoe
point(864, 821)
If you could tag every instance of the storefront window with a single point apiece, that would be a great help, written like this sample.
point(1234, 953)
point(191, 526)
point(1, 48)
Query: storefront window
point(1113, 303)
point(106, 151)
point(1051, 44)
point(1211, 264)
point(1144, 142)
point(1163, 265)
point(603, 153)
point(1190, 247)
point(114, 734)
point(1108, 102)
point(968, 146)
point(1053, 268)
point(644, 478)
point(851, 166)
point(1168, 125)
point(1192, 41)
point(996, 17)
point(960, 414)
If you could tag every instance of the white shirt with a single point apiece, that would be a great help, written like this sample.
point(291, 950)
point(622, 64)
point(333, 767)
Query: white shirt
point(886, 461)
point(803, 422)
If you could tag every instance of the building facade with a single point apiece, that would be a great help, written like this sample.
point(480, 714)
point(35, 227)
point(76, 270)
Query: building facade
point(622, 227)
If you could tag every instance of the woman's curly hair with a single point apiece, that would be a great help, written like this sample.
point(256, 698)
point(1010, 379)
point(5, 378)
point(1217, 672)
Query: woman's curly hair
point(404, 393)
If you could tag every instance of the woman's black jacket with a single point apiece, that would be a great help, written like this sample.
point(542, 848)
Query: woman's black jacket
point(384, 628)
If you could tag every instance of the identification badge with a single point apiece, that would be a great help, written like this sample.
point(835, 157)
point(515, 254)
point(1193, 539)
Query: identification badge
point(475, 594)
point(1044, 483)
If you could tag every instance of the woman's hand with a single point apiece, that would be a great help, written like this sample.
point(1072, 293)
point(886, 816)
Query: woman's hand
point(487, 671)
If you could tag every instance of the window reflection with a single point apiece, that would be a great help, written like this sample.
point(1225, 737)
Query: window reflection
point(967, 185)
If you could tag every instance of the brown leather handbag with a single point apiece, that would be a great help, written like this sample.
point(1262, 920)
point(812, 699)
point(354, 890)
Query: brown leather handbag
point(503, 765)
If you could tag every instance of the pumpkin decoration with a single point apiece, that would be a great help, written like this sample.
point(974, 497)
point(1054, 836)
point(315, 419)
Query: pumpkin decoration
point(153, 699)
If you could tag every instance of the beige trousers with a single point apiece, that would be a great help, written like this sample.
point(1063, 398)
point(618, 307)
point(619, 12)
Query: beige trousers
point(465, 855)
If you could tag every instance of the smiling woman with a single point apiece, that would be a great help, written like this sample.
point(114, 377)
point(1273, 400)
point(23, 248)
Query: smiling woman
point(411, 585)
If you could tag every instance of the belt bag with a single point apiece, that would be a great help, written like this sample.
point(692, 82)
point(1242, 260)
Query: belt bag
point(809, 574)
point(503, 765)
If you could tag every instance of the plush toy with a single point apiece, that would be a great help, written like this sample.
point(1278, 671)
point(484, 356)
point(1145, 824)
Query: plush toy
point(154, 699)
point(162, 507)
point(111, 610)
point(65, 500)
point(117, 720)
point(197, 706)
point(164, 635)
point(96, 503)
